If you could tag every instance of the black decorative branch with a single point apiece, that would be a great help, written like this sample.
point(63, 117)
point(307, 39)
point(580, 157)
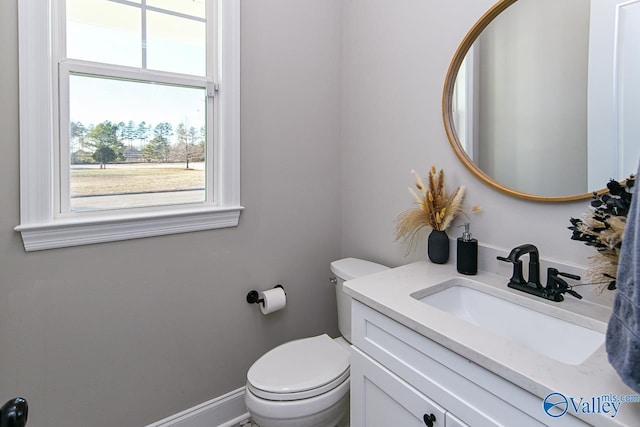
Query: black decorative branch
point(603, 225)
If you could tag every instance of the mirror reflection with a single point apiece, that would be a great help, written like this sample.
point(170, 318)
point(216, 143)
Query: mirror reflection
point(542, 102)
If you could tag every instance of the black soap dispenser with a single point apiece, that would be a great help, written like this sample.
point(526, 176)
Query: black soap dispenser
point(467, 255)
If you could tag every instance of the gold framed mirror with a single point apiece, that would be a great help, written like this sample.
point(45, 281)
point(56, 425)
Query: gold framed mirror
point(520, 53)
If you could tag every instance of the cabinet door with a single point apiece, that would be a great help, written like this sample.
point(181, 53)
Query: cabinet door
point(452, 421)
point(381, 399)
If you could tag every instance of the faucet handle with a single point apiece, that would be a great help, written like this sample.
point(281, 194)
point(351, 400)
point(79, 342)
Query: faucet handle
point(570, 276)
point(574, 277)
point(574, 293)
point(516, 277)
point(556, 286)
point(553, 272)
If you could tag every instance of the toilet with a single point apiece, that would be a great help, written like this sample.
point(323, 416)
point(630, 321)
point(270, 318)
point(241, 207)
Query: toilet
point(305, 382)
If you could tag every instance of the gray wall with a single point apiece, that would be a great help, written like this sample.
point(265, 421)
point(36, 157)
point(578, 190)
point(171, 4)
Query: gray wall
point(395, 59)
point(123, 334)
point(127, 333)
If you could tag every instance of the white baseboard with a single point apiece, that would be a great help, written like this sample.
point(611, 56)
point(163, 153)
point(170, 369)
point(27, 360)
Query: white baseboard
point(227, 410)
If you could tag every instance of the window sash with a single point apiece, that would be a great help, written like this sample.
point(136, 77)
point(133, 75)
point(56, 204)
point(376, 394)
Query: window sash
point(211, 11)
point(69, 67)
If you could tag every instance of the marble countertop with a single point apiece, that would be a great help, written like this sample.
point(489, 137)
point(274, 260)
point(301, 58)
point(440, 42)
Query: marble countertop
point(389, 292)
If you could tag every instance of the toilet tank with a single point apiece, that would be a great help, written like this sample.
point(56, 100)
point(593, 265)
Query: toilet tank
point(347, 269)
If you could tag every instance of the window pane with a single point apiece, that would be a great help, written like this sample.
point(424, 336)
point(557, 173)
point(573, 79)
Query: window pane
point(135, 144)
point(176, 44)
point(188, 7)
point(104, 31)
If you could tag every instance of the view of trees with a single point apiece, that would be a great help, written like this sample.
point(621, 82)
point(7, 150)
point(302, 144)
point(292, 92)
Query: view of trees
point(109, 142)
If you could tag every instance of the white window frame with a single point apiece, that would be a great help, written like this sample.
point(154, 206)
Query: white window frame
point(41, 225)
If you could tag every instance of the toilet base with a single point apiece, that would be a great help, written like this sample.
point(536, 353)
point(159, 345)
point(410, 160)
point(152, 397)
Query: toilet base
point(328, 410)
point(337, 416)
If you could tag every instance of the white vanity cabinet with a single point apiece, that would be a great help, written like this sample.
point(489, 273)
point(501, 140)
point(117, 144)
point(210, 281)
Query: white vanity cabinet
point(383, 399)
point(399, 376)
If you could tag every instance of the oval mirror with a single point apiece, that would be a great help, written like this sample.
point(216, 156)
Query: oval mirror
point(539, 98)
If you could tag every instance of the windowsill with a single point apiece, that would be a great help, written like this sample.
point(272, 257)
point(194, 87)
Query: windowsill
point(67, 232)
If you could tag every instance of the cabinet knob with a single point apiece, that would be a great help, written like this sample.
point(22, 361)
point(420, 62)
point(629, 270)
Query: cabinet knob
point(429, 419)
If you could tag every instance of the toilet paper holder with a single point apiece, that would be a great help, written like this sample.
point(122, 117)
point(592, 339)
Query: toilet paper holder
point(253, 297)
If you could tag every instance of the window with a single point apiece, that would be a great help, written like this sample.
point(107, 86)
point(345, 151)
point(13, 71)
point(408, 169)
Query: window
point(129, 119)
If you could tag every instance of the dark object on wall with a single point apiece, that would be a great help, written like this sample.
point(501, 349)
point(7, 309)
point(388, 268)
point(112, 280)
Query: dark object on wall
point(14, 413)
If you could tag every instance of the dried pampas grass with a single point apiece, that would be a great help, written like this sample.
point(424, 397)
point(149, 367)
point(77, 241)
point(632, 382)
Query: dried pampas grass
point(436, 207)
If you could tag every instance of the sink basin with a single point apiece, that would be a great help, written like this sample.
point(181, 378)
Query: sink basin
point(556, 338)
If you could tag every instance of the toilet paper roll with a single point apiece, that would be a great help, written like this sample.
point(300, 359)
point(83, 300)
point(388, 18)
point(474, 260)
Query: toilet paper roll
point(274, 300)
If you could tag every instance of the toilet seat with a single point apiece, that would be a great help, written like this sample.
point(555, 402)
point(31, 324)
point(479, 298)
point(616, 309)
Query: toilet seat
point(299, 369)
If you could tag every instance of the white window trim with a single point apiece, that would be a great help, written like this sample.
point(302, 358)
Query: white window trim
point(40, 226)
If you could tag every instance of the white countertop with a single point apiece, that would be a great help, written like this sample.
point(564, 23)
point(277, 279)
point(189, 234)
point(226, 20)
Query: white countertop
point(389, 292)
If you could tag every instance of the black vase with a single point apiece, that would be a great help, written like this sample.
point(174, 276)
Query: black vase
point(438, 246)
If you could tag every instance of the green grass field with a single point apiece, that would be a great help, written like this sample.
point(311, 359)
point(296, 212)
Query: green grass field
point(90, 180)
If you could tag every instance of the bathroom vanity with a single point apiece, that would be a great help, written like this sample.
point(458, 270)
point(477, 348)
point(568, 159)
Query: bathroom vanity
point(416, 362)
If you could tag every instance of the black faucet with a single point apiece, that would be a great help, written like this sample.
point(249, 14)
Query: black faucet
point(555, 285)
point(517, 281)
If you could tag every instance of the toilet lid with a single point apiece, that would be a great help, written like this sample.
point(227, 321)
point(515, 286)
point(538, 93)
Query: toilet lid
point(352, 268)
point(299, 369)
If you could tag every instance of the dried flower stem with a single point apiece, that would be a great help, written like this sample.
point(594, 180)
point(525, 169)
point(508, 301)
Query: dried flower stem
point(436, 208)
